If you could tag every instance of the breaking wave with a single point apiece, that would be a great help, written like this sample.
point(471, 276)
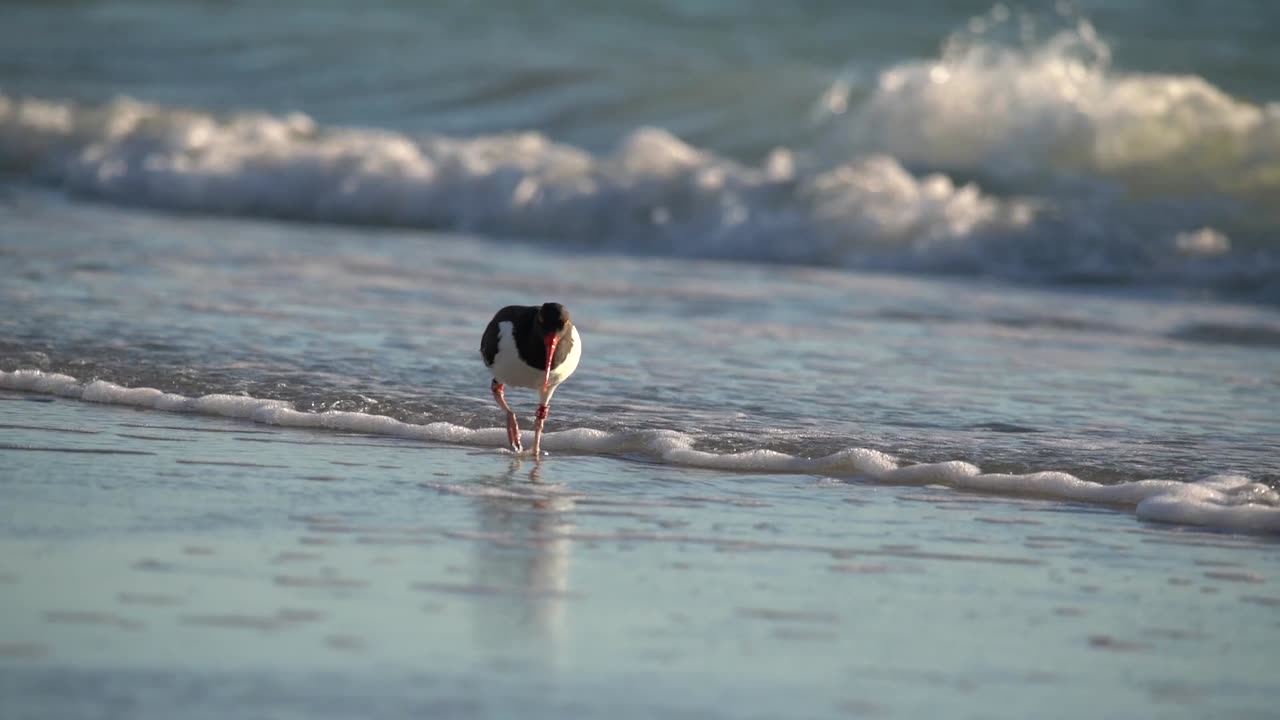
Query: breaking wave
point(1005, 103)
point(1031, 159)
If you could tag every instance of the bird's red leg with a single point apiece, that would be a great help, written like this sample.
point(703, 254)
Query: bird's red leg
point(513, 428)
point(539, 418)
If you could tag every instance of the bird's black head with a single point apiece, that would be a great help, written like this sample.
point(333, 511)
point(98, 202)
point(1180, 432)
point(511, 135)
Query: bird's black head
point(553, 318)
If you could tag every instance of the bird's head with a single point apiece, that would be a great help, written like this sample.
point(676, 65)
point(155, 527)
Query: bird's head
point(553, 318)
point(552, 323)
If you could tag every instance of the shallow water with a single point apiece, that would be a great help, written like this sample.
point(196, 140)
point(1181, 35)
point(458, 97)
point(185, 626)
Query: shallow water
point(737, 357)
point(159, 564)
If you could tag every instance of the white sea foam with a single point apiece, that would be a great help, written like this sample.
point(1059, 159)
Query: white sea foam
point(657, 194)
point(1222, 501)
point(1056, 107)
point(653, 193)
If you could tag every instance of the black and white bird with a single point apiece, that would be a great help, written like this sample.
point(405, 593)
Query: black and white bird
point(531, 347)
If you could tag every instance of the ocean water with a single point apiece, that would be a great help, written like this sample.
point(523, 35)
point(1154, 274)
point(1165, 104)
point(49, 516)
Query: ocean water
point(1108, 143)
point(1023, 255)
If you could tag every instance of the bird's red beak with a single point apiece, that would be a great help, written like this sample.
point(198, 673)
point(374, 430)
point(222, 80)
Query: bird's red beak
point(552, 340)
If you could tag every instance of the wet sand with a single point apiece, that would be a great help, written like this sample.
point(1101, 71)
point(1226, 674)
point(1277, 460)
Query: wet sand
point(172, 566)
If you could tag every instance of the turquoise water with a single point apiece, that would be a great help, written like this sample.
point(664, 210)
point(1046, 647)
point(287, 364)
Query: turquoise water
point(583, 72)
point(1111, 143)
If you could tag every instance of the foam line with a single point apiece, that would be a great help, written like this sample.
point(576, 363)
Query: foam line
point(1229, 502)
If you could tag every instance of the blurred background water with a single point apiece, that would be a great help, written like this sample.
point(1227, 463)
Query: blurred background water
point(1119, 142)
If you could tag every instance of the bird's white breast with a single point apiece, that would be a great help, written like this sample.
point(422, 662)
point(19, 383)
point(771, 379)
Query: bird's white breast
point(509, 369)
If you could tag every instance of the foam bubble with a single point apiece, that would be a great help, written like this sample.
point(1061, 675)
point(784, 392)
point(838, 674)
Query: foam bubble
point(42, 382)
point(1225, 501)
point(1202, 242)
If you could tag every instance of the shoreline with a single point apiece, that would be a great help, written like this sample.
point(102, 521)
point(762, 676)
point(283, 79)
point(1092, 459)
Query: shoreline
point(1226, 502)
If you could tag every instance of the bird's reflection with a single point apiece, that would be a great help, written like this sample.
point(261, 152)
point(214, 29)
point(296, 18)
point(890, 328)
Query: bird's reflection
point(523, 558)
